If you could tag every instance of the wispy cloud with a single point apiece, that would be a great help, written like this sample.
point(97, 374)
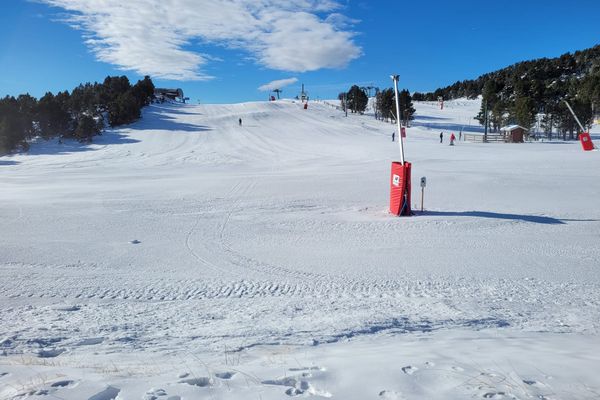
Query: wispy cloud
point(278, 84)
point(153, 36)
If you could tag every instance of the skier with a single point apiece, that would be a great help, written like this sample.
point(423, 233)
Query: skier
point(240, 121)
point(452, 139)
point(460, 135)
point(441, 137)
point(393, 136)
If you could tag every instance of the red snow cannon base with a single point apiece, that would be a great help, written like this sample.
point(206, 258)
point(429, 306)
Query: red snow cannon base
point(400, 189)
point(586, 141)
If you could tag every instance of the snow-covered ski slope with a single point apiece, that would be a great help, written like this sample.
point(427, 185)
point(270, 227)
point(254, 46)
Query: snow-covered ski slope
point(186, 240)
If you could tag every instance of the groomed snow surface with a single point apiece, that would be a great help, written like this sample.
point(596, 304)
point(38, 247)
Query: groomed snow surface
point(187, 257)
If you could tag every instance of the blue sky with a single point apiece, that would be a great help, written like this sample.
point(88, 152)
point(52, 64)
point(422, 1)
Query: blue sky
point(224, 50)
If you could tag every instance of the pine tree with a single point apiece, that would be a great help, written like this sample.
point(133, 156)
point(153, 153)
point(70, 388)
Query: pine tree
point(524, 112)
point(357, 100)
point(123, 110)
point(86, 128)
point(13, 129)
point(385, 104)
point(489, 99)
point(407, 110)
point(144, 91)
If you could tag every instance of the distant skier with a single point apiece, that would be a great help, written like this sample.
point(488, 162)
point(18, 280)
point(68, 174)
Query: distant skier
point(240, 121)
point(460, 135)
point(452, 139)
point(393, 136)
point(441, 137)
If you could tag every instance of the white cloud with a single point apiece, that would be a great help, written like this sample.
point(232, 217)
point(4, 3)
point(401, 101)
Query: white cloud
point(278, 84)
point(152, 36)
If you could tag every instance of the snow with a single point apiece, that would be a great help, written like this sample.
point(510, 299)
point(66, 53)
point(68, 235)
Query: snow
point(184, 257)
point(510, 128)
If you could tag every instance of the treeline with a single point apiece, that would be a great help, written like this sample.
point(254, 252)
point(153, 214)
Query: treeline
point(80, 114)
point(532, 92)
point(357, 98)
point(385, 105)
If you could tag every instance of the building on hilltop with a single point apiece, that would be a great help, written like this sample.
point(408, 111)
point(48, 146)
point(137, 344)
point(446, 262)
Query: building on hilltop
point(171, 94)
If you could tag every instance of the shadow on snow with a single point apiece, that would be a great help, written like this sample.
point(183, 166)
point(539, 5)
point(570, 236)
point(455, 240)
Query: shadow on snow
point(8, 162)
point(448, 126)
point(429, 118)
point(53, 147)
point(157, 118)
point(537, 219)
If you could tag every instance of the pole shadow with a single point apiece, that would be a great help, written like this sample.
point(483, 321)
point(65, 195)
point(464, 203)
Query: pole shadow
point(8, 162)
point(536, 219)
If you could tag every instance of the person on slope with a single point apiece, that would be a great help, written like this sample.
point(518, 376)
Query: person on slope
point(240, 121)
point(452, 139)
point(441, 137)
point(393, 136)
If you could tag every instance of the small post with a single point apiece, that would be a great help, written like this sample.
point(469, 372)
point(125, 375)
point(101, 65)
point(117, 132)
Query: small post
point(395, 78)
point(423, 184)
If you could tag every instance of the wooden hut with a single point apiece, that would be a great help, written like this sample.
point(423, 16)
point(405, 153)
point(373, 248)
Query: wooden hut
point(514, 133)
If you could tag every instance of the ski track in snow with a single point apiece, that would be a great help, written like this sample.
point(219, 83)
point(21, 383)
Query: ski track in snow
point(185, 232)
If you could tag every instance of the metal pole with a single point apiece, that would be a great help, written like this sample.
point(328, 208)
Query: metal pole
point(422, 195)
point(400, 142)
point(486, 122)
point(575, 116)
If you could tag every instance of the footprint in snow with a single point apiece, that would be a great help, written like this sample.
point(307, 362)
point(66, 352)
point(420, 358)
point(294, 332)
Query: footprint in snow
point(154, 394)
point(297, 387)
point(110, 393)
point(494, 395)
point(63, 383)
point(225, 375)
point(200, 382)
point(90, 341)
point(409, 369)
point(50, 353)
point(391, 395)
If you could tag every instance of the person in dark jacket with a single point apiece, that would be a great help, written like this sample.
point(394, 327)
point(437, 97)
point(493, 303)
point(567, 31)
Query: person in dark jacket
point(393, 135)
point(441, 137)
point(240, 121)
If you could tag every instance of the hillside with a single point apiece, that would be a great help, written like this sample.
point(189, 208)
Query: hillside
point(527, 91)
point(550, 70)
point(184, 256)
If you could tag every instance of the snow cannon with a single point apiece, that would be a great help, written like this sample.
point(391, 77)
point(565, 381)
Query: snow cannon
point(584, 138)
point(400, 187)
